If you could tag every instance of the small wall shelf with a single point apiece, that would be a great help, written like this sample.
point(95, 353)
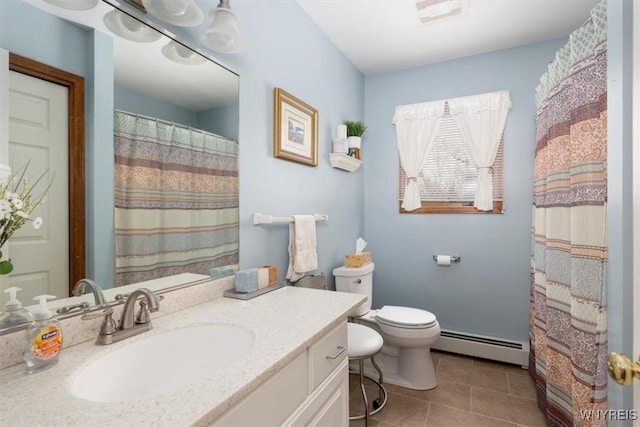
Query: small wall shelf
point(344, 162)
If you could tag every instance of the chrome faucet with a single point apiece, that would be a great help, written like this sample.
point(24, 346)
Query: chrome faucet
point(81, 287)
point(127, 321)
point(129, 325)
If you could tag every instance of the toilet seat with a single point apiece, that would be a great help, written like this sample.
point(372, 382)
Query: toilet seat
point(406, 317)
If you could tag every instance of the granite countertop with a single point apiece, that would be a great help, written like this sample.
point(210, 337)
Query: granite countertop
point(284, 321)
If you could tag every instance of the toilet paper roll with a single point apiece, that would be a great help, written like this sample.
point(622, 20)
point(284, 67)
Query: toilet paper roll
point(443, 260)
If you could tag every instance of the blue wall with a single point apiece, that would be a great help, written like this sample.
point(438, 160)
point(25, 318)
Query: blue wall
point(99, 155)
point(222, 121)
point(136, 102)
point(488, 292)
point(59, 44)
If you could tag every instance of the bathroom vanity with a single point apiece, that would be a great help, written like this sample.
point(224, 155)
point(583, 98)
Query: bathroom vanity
point(312, 389)
point(294, 373)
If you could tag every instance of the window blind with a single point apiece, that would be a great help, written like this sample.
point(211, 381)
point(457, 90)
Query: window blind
point(450, 174)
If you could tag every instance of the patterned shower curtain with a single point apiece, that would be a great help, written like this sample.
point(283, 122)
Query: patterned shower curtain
point(568, 310)
point(176, 199)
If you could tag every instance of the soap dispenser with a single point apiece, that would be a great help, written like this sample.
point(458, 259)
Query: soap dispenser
point(43, 341)
point(14, 314)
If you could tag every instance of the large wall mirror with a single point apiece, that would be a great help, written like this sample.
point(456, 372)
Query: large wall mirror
point(160, 120)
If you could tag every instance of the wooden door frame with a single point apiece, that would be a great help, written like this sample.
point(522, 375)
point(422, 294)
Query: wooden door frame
point(77, 217)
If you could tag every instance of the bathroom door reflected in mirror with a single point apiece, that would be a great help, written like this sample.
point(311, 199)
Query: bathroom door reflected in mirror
point(46, 117)
point(164, 104)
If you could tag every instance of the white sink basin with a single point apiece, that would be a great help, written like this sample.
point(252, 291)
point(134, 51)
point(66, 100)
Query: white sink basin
point(162, 363)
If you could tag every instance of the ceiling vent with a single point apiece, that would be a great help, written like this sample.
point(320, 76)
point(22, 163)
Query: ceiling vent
point(431, 10)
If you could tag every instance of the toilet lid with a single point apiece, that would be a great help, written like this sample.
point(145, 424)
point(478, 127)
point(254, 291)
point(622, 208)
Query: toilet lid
point(406, 316)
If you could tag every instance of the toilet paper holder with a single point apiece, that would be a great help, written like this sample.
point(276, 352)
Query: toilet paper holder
point(454, 259)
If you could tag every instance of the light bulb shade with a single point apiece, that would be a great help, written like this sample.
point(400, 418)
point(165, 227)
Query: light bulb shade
point(223, 35)
point(74, 4)
point(182, 55)
point(184, 13)
point(129, 28)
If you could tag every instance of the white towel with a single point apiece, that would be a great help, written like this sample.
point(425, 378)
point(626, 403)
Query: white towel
point(303, 255)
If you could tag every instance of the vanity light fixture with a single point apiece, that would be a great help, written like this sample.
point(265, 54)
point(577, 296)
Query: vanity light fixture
point(223, 35)
point(184, 13)
point(182, 55)
point(74, 4)
point(125, 26)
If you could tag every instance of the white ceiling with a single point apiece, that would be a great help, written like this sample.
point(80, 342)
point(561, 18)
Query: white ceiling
point(376, 35)
point(386, 35)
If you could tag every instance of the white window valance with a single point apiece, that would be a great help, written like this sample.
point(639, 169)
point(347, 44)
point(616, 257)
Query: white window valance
point(492, 101)
point(418, 111)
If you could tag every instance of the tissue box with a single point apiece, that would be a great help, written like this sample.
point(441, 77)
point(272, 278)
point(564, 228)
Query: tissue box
point(357, 260)
point(273, 273)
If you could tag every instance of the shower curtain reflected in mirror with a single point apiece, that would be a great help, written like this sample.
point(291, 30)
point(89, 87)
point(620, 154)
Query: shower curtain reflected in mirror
point(176, 199)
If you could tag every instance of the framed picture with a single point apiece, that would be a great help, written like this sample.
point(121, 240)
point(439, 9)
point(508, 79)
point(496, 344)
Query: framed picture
point(295, 129)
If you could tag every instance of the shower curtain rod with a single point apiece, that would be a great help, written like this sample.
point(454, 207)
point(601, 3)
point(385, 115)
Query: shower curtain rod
point(168, 122)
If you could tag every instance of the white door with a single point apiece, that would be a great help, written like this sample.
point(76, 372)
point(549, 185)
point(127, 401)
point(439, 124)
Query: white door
point(38, 134)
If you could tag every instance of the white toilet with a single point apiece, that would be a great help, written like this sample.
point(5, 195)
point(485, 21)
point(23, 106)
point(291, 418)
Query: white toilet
point(408, 333)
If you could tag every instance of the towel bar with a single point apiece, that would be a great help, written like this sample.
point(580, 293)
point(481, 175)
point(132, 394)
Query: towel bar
point(259, 218)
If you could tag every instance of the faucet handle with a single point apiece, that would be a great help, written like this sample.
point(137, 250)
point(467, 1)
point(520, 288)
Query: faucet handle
point(142, 316)
point(108, 326)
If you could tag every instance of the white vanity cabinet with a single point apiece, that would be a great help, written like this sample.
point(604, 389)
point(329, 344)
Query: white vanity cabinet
point(311, 390)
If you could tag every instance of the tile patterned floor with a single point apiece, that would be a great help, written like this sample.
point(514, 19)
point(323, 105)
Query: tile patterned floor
point(471, 393)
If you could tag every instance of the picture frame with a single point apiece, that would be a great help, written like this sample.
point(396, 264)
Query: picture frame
point(295, 128)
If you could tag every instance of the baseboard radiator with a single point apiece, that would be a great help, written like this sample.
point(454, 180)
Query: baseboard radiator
point(516, 352)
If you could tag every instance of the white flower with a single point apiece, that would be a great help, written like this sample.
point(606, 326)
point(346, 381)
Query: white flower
point(17, 203)
point(5, 208)
point(22, 214)
point(5, 174)
point(11, 196)
point(37, 223)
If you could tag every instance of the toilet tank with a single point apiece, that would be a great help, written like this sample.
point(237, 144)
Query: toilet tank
point(356, 281)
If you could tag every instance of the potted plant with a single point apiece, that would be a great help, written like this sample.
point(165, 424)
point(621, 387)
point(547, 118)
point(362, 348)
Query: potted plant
point(355, 130)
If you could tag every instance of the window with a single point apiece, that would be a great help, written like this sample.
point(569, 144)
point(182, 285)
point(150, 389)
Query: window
point(449, 179)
